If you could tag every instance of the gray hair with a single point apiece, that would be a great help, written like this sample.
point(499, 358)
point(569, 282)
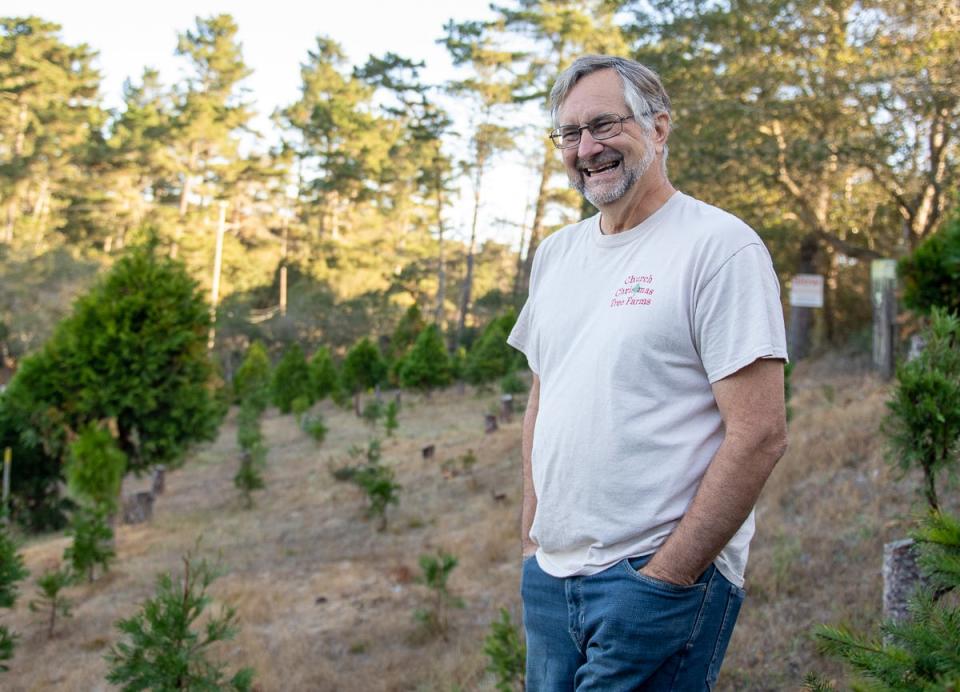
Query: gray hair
point(642, 89)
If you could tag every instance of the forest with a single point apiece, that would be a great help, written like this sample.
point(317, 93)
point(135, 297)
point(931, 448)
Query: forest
point(180, 287)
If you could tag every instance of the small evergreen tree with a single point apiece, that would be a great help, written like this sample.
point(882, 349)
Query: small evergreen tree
point(922, 653)
point(427, 365)
point(390, 423)
point(12, 571)
point(505, 648)
point(253, 453)
point(405, 334)
point(923, 425)
point(377, 481)
point(92, 542)
point(166, 644)
point(95, 468)
point(512, 384)
point(491, 357)
point(373, 412)
point(363, 368)
point(252, 379)
point(435, 573)
point(50, 600)
point(323, 374)
point(931, 274)
point(291, 379)
point(313, 425)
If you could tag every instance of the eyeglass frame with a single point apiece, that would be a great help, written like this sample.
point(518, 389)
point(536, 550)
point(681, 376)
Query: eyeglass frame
point(556, 134)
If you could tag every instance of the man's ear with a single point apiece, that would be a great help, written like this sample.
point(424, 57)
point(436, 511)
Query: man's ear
point(661, 126)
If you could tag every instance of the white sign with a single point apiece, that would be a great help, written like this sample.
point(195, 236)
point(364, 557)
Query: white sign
point(806, 291)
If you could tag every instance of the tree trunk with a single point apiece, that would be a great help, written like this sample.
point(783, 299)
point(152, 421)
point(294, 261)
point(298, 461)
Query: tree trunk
point(536, 229)
point(801, 319)
point(465, 295)
point(441, 270)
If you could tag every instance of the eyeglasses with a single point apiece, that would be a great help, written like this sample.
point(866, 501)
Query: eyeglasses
point(603, 127)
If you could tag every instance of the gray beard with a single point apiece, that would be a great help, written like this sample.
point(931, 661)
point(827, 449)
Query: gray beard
point(609, 195)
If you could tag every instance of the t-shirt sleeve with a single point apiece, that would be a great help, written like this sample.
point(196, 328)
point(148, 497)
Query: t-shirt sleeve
point(738, 317)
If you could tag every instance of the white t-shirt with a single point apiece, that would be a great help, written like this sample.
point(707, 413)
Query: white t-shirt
point(626, 333)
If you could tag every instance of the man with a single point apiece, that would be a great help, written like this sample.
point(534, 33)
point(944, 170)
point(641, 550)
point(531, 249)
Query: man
point(655, 334)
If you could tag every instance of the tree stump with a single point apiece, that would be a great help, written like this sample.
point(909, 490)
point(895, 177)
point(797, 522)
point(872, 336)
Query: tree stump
point(490, 423)
point(159, 480)
point(138, 508)
point(427, 452)
point(901, 578)
point(506, 408)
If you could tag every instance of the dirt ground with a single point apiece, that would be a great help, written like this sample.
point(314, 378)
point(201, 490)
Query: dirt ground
point(326, 602)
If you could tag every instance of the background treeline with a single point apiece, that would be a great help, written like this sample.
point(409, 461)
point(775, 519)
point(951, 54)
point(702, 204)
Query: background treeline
point(828, 126)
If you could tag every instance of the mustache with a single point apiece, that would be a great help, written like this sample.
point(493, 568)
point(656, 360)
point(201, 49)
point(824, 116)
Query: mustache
point(598, 160)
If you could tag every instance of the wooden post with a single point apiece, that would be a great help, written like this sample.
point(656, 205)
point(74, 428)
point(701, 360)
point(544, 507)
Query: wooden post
point(883, 289)
point(215, 288)
point(7, 463)
point(506, 408)
point(900, 578)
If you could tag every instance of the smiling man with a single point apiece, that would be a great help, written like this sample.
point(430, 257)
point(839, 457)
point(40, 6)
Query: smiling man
point(655, 334)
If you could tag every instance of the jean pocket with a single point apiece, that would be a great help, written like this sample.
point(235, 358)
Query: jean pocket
point(664, 586)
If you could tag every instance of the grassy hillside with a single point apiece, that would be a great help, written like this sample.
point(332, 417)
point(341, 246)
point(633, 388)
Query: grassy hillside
point(325, 602)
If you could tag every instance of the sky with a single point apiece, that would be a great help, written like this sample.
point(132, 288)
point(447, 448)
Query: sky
point(275, 37)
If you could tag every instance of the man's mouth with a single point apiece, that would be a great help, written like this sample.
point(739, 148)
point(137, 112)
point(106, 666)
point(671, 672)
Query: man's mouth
point(598, 168)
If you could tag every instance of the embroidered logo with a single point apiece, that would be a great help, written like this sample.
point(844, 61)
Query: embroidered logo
point(635, 290)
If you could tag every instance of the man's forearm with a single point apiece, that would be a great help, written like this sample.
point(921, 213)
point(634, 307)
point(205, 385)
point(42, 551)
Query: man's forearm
point(727, 494)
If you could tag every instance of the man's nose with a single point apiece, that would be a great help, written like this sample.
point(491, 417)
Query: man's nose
point(588, 146)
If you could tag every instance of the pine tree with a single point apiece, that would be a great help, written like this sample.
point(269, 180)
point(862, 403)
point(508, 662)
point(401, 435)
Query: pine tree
point(323, 374)
point(12, 570)
point(362, 369)
point(435, 573)
point(291, 379)
point(92, 544)
point(505, 648)
point(95, 468)
point(251, 382)
point(253, 453)
point(923, 425)
point(491, 357)
point(167, 642)
point(427, 365)
point(50, 600)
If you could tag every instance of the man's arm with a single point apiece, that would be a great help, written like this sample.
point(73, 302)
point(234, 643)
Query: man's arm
point(529, 506)
point(754, 416)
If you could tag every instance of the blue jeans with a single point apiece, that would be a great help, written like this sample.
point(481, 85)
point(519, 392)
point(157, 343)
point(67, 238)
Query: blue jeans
point(622, 630)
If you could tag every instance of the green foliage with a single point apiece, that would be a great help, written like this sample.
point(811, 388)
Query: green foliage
point(390, 423)
point(931, 274)
point(253, 452)
point(249, 434)
point(435, 573)
point(314, 426)
point(923, 423)
point(50, 600)
point(377, 481)
point(92, 542)
point(512, 383)
point(291, 379)
point(12, 570)
point(323, 374)
point(166, 644)
point(363, 367)
point(252, 379)
point(134, 349)
point(923, 652)
point(427, 365)
point(300, 406)
point(507, 651)
point(373, 412)
point(405, 334)
point(96, 467)
point(491, 357)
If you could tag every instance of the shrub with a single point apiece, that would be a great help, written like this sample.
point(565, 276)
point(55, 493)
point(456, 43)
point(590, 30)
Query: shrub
point(435, 573)
point(168, 640)
point(378, 483)
point(50, 601)
point(390, 423)
point(923, 423)
point(252, 379)
point(12, 571)
point(931, 274)
point(372, 412)
point(291, 379)
point(134, 349)
point(511, 383)
point(491, 357)
point(95, 468)
point(92, 543)
point(323, 374)
point(249, 476)
point(313, 425)
point(505, 648)
point(363, 368)
point(427, 365)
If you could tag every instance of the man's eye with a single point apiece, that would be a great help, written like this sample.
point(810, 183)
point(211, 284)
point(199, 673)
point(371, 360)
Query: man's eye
point(570, 135)
point(602, 127)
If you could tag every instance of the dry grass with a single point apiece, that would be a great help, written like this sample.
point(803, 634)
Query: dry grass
point(325, 602)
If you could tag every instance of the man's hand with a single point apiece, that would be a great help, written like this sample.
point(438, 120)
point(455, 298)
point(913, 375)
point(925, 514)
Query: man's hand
point(754, 417)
